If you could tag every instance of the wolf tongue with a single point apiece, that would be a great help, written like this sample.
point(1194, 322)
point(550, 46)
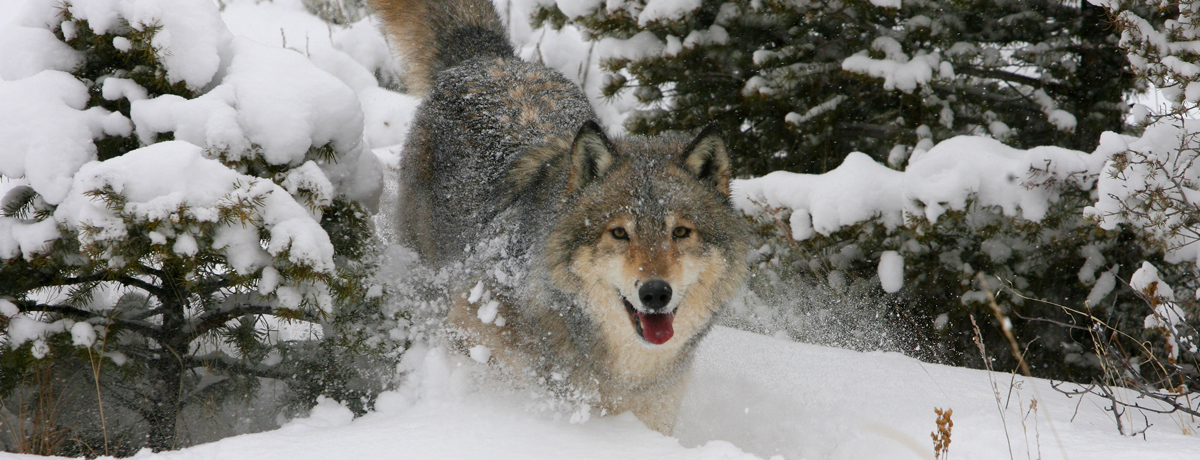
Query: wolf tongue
point(656, 328)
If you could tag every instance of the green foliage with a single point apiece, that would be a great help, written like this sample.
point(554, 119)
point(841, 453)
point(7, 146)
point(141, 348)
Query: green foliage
point(1041, 273)
point(102, 59)
point(772, 58)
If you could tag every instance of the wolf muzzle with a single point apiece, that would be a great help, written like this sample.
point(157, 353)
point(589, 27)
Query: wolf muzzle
point(656, 325)
point(655, 295)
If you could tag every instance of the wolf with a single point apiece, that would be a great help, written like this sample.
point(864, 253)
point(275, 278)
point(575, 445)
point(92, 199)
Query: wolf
point(596, 263)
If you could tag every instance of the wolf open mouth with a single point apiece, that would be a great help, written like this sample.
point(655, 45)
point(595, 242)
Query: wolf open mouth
point(655, 328)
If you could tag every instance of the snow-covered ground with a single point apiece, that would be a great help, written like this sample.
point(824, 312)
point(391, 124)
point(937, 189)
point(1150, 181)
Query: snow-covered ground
point(751, 396)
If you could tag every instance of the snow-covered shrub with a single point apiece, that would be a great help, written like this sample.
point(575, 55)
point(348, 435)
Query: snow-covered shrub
point(1152, 186)
point(969, 215)
point(185, 209)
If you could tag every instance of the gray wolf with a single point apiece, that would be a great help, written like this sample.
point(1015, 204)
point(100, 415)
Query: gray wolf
point(595, 263)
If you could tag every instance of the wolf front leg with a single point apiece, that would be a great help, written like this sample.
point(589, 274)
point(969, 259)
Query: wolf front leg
point(487, 323)
point(659, 410)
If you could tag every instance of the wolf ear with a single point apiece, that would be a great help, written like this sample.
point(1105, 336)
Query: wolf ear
point(591, 155)
point(708, 159)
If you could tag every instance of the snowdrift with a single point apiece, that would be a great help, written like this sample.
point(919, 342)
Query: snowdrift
point(751, 396)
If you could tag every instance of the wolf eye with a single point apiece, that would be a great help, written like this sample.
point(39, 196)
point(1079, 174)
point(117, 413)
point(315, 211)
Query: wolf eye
point(681, 232)
point(619, 233)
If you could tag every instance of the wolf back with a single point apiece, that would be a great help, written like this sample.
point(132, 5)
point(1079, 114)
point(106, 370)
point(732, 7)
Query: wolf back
point(606, 258)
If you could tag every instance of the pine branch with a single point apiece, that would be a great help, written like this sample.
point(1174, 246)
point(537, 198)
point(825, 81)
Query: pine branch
point(1004, 75)
point(230, 365)
point(154, 290)
point(209, 286)
point(27, 306)
point(144, 328)
point(147, 313)
point(216, 318)
point(48, 281)
point(161, 275)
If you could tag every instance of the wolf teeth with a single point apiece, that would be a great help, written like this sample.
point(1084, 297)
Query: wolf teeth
point(637, 324)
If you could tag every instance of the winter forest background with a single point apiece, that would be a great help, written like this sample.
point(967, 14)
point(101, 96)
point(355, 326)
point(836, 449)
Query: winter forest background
point(196, 212)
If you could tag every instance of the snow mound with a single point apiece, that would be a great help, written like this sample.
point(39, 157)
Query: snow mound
point(750, 396)
point(774, 397)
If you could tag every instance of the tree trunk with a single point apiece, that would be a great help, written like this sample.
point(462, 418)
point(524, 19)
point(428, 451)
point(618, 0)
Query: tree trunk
point(168, 367)
point(1096, 90)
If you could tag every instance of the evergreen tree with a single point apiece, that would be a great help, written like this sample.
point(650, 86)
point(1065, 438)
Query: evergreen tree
point(1065, 288)
point(801, 81)
point(167, 248)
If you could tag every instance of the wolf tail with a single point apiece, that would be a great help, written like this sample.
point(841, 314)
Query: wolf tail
point(434, 35)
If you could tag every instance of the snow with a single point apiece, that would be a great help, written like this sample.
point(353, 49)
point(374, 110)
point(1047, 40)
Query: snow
point(115, 88)
point(750, 396)
point(24, 238)
point(23, 328)
point(824, 107)
point(715, 35)
point(25, 51)
point(487, 313)
point(160, 179)
point(8, 309)
point(898, 71)
point(891, 271)
point(643, 45)
point(858, 190)
point(666, 10)
point(257, 101)
point(387, 116)
point(309, 177)
point(45, 135)
point(83, 334)
point(1167, 315)
point(943, 178)
point(208, 121)
point(476, 293)
point(287, 105)
point(1104, 285)
point(576, 8)
point(480, 353)
point(327, 413)
point(1146, 280)
point(192, 42)
point(273, 75)
point(1153, 161)
point(831, 403)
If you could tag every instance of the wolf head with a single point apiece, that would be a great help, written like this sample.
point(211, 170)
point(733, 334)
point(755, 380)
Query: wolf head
point(650, 245)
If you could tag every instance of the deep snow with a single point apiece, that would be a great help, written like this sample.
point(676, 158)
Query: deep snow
point(751, 396)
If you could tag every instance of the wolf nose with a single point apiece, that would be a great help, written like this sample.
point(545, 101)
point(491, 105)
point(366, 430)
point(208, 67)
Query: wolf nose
point(655, 294)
